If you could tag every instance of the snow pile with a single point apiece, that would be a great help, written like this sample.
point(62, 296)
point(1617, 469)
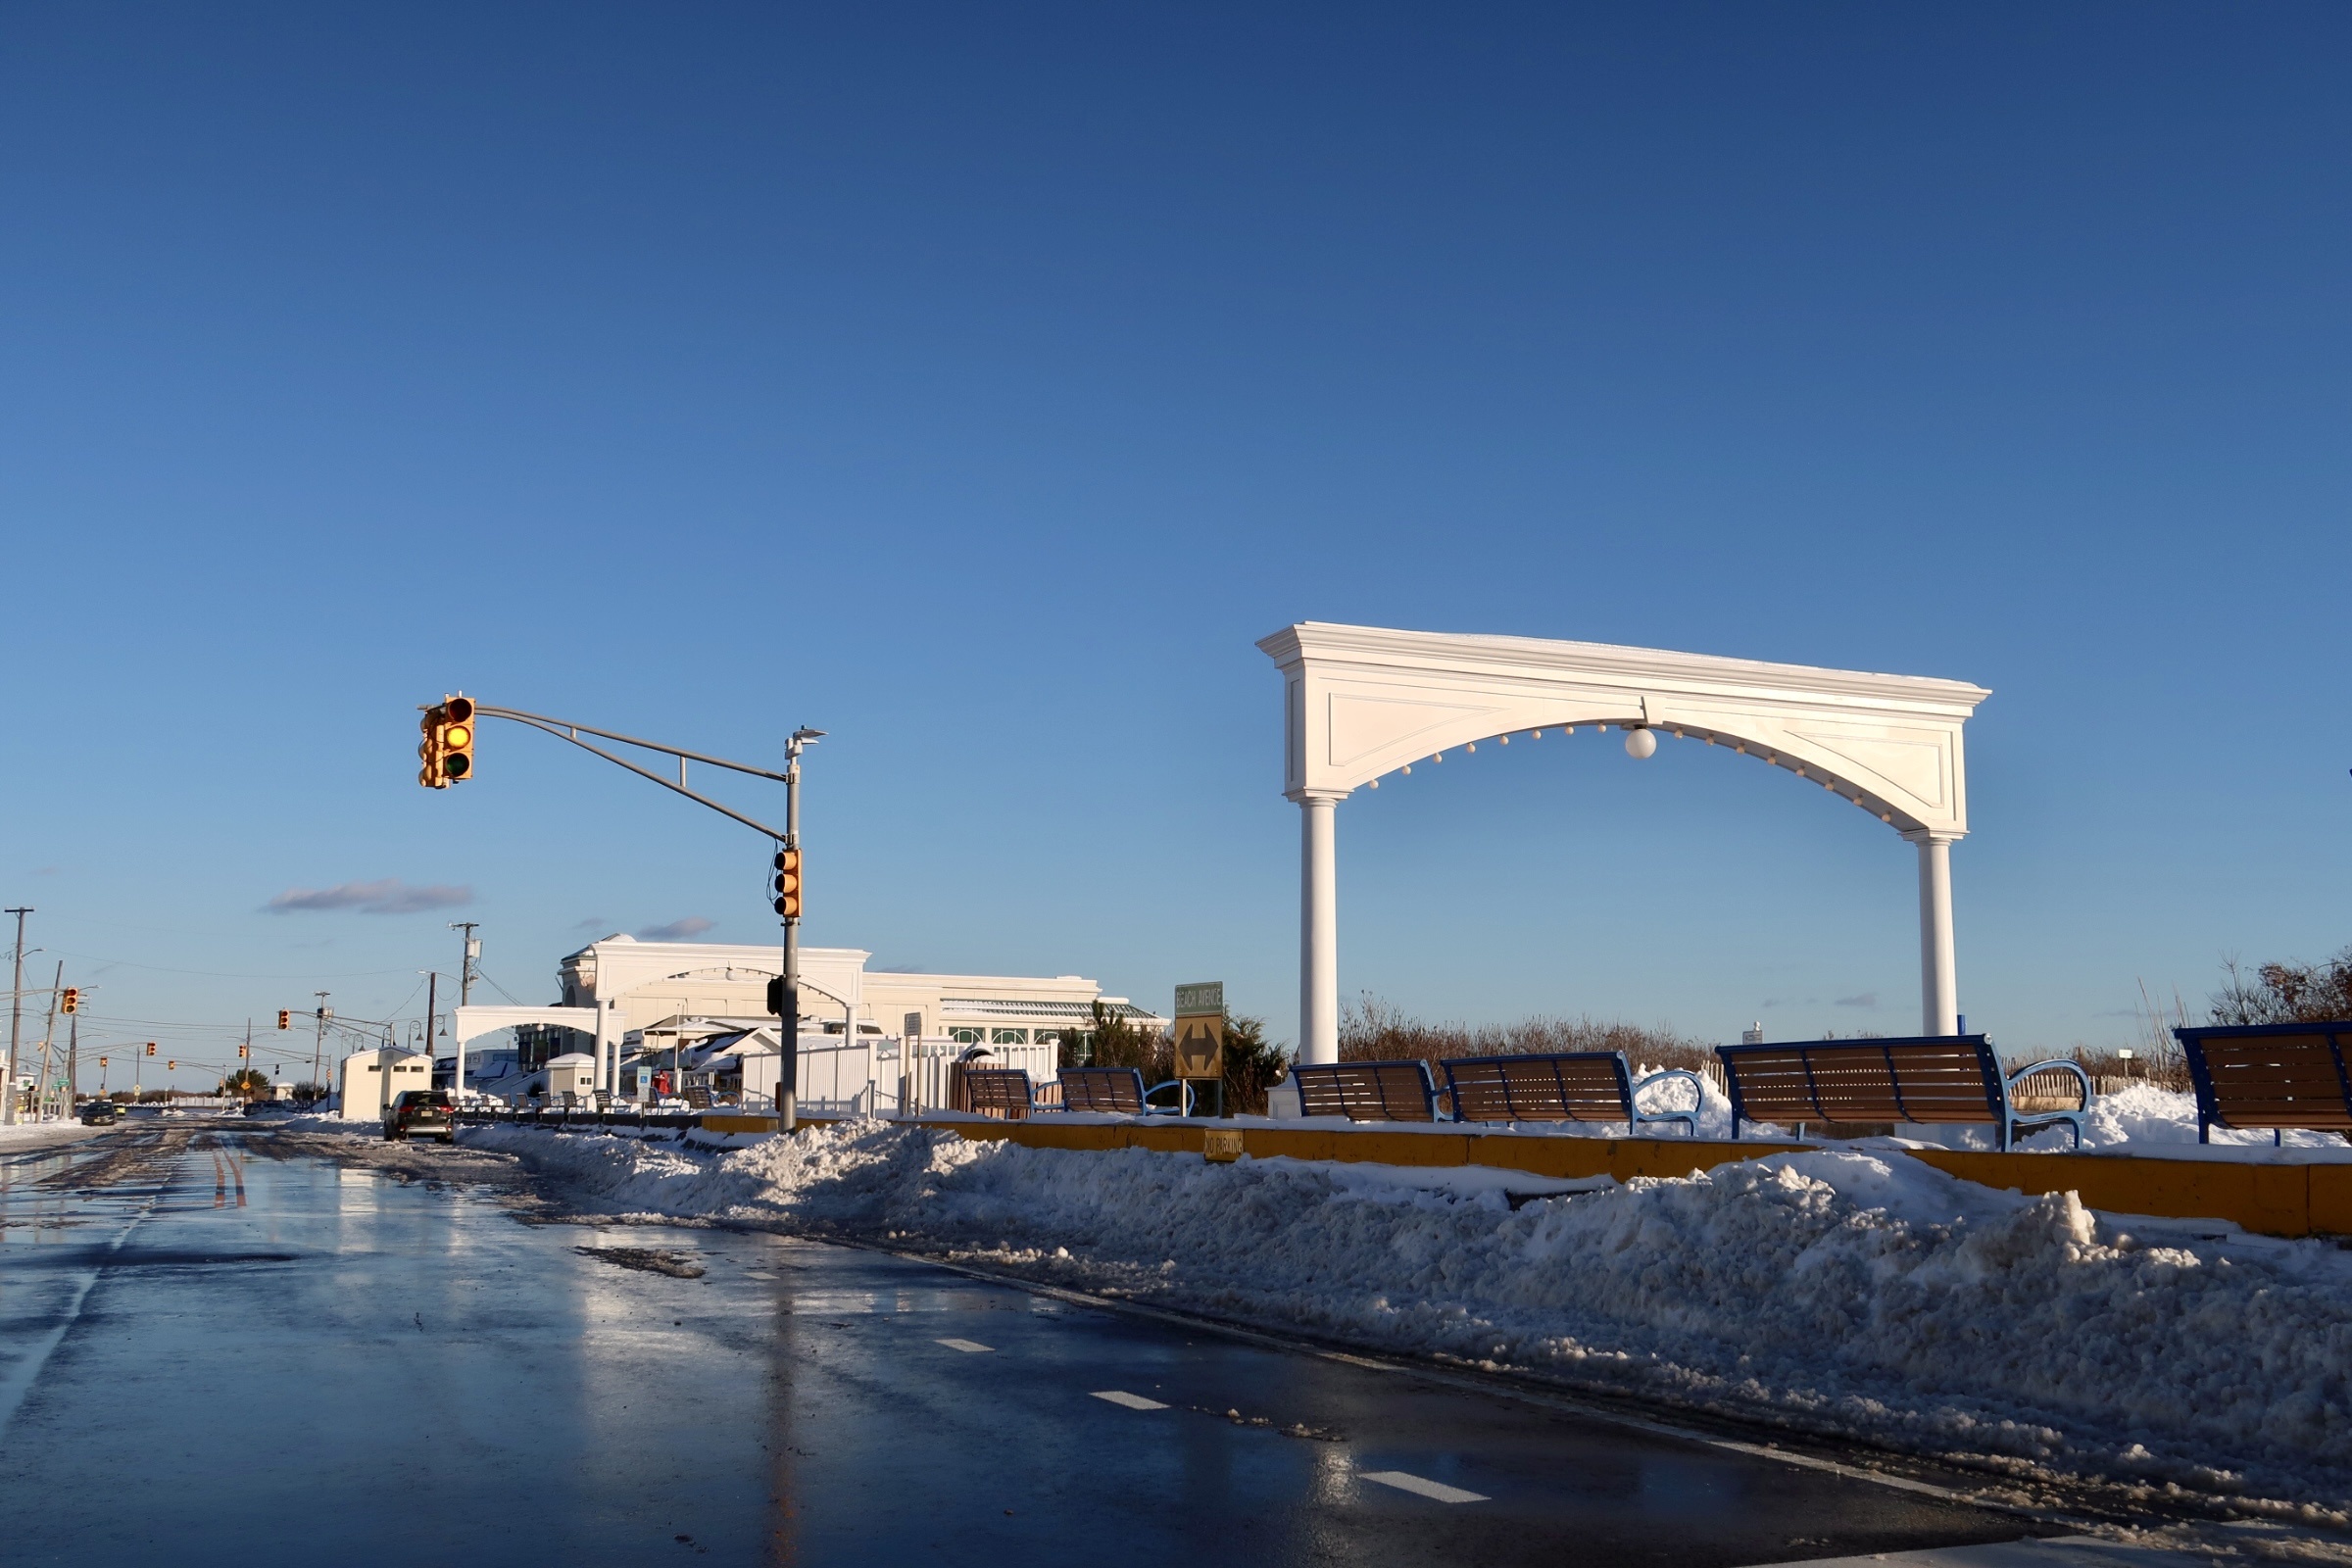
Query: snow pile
point(1849, 1290)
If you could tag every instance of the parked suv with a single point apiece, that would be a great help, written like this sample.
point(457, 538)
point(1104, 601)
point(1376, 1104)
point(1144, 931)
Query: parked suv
point(422, 1110)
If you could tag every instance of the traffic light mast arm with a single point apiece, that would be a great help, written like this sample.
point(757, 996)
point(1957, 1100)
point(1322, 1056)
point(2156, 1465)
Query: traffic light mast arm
point(565, 730)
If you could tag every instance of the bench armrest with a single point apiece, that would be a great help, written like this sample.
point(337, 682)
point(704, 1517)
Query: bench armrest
point(1698, 1095)
point(2012, 1080)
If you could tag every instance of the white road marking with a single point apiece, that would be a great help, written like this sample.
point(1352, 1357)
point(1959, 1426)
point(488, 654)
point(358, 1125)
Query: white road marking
point(965, 1345)
point(1133, 1401)
point(2063, 1551)
point(1437, 1490)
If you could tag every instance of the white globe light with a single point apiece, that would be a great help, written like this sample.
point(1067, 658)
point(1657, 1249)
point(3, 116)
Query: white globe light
point(1639, 742)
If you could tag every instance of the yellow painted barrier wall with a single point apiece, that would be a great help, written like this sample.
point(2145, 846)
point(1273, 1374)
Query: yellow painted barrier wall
point(2271, 1198)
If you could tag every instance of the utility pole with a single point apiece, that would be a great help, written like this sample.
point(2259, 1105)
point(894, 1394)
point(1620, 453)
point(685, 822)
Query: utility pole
point(16, 1017)
point(432, 994)
point(473, 955)
point(40, 1081)
point(73, 1064)
point(318, 1049)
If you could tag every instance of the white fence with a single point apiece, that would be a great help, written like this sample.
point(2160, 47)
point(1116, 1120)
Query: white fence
point(839, 1078)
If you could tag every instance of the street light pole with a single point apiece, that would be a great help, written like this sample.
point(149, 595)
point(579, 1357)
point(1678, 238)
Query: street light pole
point(16, 1017)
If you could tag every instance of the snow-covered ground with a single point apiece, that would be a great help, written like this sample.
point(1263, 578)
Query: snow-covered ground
point(1853, 1290)
point(36, 1135)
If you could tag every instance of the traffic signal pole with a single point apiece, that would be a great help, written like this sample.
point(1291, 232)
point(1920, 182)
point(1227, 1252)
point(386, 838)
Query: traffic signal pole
point(442, 725)
point(788, 1077)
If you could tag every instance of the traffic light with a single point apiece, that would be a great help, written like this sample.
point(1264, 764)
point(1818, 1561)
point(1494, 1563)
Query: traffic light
point(151, 1048)
point(243, 1052)
point(447, 749)
point(69, 1001)
point(457, 738)
point(428, 749)
point(170, 1064)
point(787, 888)
point(285, 1019)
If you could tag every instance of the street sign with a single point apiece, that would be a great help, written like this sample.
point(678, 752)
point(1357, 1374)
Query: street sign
point(1201, 1030)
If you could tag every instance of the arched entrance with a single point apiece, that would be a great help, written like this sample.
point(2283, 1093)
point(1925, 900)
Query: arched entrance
point(1360, 702)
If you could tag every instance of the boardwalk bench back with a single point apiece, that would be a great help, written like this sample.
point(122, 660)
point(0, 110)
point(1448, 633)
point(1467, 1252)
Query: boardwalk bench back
point(1575, 1086)
point(1116, 1091)
point(1367, 1091)
point(1936, 1080)
point(2277, 1075)
point(997, 1092)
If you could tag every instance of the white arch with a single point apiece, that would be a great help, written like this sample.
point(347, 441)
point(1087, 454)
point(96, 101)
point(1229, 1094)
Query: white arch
point(471, 1023)
point(1360, 702)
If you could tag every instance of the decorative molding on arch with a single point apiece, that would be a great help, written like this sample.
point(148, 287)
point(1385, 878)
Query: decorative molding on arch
point(1360, 702)
point(471, 1023)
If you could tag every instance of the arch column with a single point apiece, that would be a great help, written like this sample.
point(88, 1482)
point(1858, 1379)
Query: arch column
point(1319, 928)
point(1938, 967)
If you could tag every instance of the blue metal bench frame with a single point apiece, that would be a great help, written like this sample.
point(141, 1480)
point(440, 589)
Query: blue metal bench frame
point(2008, 1125)
point(1379, 1096)
point(2336, 1031)
point(1635, 1116)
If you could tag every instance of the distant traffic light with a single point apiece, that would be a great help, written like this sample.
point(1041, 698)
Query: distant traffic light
point(70, 999)
point(285, 1019)
point(151, 1048)
point(787, 888)
point(170, 1064)
point(243, 1052)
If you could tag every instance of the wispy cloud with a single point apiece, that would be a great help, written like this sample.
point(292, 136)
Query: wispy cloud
point(384, 896)
point(1868, 999)
point(595, 922)
point(686, 930)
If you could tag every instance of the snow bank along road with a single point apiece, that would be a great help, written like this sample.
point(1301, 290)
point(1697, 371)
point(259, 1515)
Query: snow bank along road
point(1851, 1291)
point(252, 1348)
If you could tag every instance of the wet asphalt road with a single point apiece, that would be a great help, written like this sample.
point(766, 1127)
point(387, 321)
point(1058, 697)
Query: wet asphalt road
point(210, 1354)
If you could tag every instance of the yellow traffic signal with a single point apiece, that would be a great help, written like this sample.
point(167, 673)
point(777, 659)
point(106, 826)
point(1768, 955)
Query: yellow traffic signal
point(787, 889)
point(447, 749)
point(243, 1052)
point(285, 1019)
point(457, 738)
point(170, 1064)
point(151, 1048)
point(70, 999)
point(428, 749)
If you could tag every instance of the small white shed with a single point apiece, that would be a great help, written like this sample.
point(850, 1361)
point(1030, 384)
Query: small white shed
point(573, 1072)
point(372, 1078)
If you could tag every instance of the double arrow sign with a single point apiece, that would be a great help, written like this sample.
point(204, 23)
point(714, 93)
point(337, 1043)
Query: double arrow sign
point(1201, 1030)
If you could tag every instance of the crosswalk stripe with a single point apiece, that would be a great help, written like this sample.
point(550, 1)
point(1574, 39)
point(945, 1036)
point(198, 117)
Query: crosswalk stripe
point(1133, 1401)
point(1423, 1486)
point(965, 1345)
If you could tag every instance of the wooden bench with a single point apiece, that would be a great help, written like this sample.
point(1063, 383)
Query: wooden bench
point(1573, 1085)
point(1936, 1080)
point(1001, 1092)
point(1367, 1091)
point(2276, 1075)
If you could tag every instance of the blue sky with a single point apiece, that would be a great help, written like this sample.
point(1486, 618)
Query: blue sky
point(979, 383)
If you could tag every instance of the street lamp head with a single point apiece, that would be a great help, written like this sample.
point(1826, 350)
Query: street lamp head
point(804, 734)
point(1641, 743)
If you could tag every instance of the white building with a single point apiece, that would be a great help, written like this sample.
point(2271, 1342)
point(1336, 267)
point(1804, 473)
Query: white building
point(372, 1078)
point(622, 997)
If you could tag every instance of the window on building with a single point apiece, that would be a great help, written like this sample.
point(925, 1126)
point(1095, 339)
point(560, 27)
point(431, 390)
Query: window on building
point(967, 1037)
point(1009, 1037)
